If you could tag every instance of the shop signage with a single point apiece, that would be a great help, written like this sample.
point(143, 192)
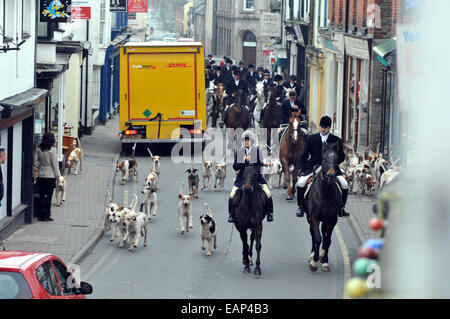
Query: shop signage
point(118, 6)
point(271, 25)
point(358, 48)
point(54, 11)
point(136, 6)
point(81, 9)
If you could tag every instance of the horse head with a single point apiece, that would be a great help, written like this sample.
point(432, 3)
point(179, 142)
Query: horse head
point(250, 177)
point(330, 160)
point(259, 89)
point(289, 90)
point(294, 129)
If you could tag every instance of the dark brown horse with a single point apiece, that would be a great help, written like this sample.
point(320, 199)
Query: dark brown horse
point(272, 114)
point(218, 106)
point(237, 114)
point(291, 148)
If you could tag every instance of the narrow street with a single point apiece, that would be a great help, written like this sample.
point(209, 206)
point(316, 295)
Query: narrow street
point(174, 266)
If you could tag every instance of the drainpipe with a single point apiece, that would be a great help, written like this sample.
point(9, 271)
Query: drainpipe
point(344, 91)
point(86, 81)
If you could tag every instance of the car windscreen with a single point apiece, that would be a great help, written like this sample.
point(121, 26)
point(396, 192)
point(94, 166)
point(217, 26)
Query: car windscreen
point(14, 286)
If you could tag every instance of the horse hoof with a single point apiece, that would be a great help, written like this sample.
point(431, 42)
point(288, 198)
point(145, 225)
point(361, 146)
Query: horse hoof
point(284, 187)
point(257, 272)
point(313, 266)
point(325, 268)
point(247, 270)
point(289, 197)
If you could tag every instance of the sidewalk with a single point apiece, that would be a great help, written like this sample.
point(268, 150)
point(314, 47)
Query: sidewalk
point(78, 223)
point(360, 209)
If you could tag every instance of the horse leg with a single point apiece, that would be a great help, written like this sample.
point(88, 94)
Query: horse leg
point(287, 179)
point(258, 230)
point(245, 249)
point(250, 253)
point(327, 230)
point(294, 179)
point(317, 238)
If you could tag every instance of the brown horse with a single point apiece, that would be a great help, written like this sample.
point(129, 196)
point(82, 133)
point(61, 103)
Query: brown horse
point(291, 148)
point(237, 116)
point(217, 108)
point(272, 114)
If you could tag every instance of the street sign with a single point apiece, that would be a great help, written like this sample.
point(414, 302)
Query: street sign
point(54, 11)
point(271, 25)
point(81, 9)
point(136, 6)
point(118, 6)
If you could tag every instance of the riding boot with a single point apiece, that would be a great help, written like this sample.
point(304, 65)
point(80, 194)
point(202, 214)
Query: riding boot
point(344, 212)
point(301, 209)
point(230, 210)
point(269, 209)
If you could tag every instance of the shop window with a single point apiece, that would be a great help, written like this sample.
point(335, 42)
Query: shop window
point(249, 5)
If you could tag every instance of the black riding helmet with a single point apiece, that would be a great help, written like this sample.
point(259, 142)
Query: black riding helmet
point(325, 121)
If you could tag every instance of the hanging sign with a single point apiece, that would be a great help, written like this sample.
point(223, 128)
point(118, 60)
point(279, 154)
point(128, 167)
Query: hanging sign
point(118, 5)
point(54, 10)
point(81, 9)
point(137, 6)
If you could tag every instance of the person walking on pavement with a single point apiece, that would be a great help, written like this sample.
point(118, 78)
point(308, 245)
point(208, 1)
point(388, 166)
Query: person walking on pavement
point(247, 155)
point(302, 95)
point(312, 157)
point(46, 162)
point(3, 158)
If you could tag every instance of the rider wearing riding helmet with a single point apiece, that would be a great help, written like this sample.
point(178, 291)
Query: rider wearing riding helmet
point(279, 87)
point(313, 151)
point(245, 156)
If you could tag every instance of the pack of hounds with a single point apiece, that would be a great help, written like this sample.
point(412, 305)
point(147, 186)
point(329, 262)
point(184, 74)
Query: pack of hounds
point(131, 225)
point(365, 174)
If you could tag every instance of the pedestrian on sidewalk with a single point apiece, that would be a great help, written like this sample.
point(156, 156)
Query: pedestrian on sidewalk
point(46, 162)
point(2, 186)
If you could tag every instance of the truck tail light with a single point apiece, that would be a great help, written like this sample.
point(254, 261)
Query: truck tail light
point(130, 132)
point(197, 131)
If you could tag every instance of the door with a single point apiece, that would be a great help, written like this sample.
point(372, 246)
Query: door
point(249, 48)
point(162, 83)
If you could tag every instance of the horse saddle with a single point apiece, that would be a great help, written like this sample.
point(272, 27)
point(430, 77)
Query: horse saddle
point(238, 194)
point(311, 180)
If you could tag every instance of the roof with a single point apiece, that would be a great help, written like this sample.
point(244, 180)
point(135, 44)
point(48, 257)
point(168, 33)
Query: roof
point(162, 44)
point(26, 98)
point(19, 259)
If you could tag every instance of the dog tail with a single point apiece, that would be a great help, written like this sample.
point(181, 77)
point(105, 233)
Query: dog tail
point(134, 151)
point(151, 155)
point(208, 210)
point(79, 144)
point(181, 188)
point(133, 203)
point(141, 209)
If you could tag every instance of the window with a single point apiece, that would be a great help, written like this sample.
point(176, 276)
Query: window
point(62, 273)
point(26, 19)
point(14, 286)
point(47, 277)
point(9, 18)
point(102, 22)
point(304, 10)
point(249, 5)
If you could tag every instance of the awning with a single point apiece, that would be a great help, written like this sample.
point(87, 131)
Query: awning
point(279, 63)
point(21, 102)
point(385, 48)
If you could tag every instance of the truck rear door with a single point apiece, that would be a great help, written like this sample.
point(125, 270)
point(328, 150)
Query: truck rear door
point(162, 83)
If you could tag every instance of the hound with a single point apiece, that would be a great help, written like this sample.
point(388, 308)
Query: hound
point(359, 177)
point(75, 159)
point(208, 231)
point(193, 181)
point(267, 172)
point(150, 201)
point(220, 174)
point(128, 167)
point(60, 192)
point(111, 209)
point(185, 210)
point(136, 224)
point(207, 174)
point(120, 227)
point(370, 185)
point(152, 181)
point(156, 165)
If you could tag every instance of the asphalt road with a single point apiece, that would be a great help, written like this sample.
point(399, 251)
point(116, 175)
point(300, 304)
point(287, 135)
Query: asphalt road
point(174, 266)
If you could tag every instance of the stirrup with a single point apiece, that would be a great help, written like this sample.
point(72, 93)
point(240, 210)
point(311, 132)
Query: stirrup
point(343, 212)
point(230, 218)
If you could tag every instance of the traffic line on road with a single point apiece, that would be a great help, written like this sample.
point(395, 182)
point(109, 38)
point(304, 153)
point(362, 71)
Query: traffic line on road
point(346, 259)
point(99, 263)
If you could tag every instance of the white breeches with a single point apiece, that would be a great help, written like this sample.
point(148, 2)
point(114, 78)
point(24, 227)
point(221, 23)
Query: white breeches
point(263, 186)
point(303, 179)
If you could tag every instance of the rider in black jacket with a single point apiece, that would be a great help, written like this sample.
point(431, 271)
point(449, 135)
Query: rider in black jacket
point(312, 156)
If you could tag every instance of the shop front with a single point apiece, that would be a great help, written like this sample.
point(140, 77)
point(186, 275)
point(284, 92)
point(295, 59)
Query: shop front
point(357, 83)
point(21, 130)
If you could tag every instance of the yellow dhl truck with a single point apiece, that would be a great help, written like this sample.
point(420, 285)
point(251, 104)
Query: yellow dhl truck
point(162, 89)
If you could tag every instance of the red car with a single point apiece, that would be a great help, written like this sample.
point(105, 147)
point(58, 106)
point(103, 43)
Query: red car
point(25, 275)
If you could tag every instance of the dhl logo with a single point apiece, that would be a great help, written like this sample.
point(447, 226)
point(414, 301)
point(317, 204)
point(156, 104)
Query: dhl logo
point(178, 65)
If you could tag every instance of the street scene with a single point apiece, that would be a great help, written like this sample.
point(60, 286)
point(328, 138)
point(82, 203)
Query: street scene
point(222, 150)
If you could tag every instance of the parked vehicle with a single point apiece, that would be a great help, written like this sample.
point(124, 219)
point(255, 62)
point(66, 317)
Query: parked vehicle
point(30, 275)
point(162, 90)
